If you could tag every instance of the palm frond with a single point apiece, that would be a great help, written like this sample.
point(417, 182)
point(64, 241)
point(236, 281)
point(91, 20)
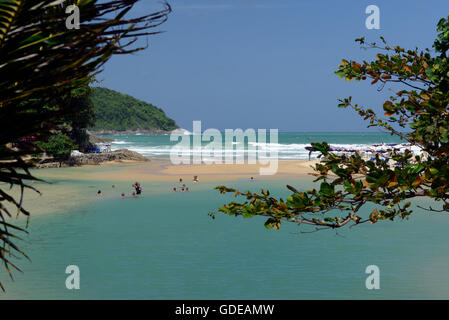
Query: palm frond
point(41, 62)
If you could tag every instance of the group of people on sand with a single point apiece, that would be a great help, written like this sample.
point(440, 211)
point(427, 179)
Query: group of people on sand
point(137, 187)
point(183, 187)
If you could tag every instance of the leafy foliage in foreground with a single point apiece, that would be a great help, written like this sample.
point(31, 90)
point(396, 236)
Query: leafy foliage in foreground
point(41, 63)
point(349, 182)
point(118, 111)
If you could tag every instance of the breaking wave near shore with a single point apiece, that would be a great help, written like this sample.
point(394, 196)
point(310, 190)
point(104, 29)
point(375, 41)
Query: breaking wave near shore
point(291, 146)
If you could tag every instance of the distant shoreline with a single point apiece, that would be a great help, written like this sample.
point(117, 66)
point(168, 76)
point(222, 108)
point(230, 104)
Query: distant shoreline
point(128, 132)
point(135, 132)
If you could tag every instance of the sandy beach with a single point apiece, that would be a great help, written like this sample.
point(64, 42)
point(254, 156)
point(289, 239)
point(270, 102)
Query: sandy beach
point(160, 170)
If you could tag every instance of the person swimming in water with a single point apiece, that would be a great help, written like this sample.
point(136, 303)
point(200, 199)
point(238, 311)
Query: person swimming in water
point(123, 196)
point(137, 187)
point(99, 193)
point(134, 195)
point(174, 189)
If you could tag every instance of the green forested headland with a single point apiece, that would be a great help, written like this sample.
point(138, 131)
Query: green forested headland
point(119, 112)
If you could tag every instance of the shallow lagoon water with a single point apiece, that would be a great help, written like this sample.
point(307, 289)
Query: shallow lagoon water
point(165, 246)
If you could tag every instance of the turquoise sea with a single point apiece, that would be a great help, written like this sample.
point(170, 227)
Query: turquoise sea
point(289, 145)
point(164, 245)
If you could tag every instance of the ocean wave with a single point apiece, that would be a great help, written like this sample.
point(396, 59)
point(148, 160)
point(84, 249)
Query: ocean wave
point(290, 151)
point(120, 142)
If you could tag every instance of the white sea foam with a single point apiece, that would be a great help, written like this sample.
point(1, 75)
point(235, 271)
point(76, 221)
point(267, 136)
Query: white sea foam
point(285, 151)
point(120, 142)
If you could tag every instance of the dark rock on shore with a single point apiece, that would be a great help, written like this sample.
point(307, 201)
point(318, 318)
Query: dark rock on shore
point(95, 158)
point(94, 139)
point(130, 132)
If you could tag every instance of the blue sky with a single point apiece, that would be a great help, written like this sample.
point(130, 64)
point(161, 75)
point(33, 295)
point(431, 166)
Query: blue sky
point(265, 63)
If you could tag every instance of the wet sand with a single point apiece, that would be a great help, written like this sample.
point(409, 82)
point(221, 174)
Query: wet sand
point(160, 170)
point(69, 187)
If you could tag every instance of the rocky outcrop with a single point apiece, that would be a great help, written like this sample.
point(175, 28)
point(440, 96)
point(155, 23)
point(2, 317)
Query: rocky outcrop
point(94, 139)
point(131, 132)
point(138, 131)
point(95, 158)
point(49, 165)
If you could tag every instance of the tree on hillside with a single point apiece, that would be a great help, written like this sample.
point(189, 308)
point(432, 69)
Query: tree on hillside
point(348, 182)
point(58, 145)
point(118, 111)
point(82, 115)
point(71, 129)
point(41, 63)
